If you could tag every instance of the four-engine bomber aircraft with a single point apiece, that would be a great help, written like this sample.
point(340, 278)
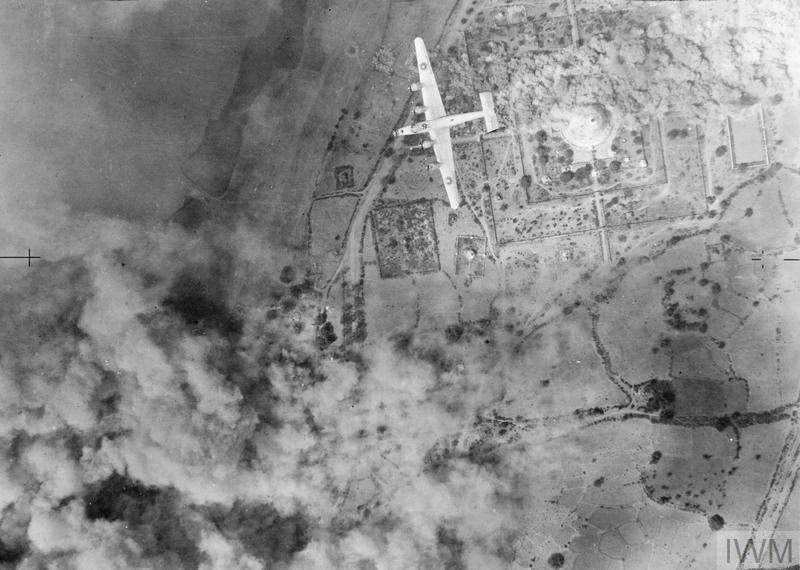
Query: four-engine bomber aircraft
point(438, 123)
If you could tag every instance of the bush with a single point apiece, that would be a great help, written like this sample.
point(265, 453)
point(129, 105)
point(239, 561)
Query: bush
point(556, 560)
point(583, 172)
point(288, 304)
point(716, 522)
point(288, 274)
point(326, 335)
point(453, 333)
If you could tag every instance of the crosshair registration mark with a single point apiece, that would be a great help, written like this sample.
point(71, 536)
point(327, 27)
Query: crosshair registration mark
point(28, 257)
point(761, 259)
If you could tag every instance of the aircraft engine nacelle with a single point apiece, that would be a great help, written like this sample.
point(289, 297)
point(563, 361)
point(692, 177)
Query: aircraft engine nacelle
point(420, 109)
point(424, 145)
point(415, 87)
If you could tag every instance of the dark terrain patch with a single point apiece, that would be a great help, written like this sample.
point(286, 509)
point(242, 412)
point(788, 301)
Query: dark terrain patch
point(289, 50)
point(12, 553)
point(192, 213)
point(262, 530)
point(660, 397)
point(288, 274)
point(280, 45)
point(211, 165)
point(708, 397)
point(105, 397)
point(151, 514)
point(198, 302)
point(450, 548)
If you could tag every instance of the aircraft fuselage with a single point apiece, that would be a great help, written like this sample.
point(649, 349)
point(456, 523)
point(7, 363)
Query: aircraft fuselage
point(446, 122)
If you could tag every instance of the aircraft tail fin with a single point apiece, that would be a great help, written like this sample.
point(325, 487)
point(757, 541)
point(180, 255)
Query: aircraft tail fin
point(489, 116)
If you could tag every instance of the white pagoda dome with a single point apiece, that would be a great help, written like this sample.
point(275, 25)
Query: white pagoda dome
point(588, 126)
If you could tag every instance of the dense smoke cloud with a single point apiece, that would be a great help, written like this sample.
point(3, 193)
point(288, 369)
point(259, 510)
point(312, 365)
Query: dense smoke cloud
point(165, 404)
point(156, 416)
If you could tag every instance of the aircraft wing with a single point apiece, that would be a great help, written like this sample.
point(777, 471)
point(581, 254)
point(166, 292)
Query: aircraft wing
point(431, 99)
point(443, 148)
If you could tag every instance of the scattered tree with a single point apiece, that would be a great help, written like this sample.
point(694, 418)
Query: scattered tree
point(288, 274)
point(556, 560)
point(716, 522)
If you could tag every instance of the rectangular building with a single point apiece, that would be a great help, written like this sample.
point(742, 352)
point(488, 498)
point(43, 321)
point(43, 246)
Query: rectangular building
point(747, 138)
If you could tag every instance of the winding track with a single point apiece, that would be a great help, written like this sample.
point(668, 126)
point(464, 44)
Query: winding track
point(351, 257)
point(783, 482)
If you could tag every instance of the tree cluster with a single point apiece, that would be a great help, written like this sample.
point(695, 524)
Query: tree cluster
point(645, 68)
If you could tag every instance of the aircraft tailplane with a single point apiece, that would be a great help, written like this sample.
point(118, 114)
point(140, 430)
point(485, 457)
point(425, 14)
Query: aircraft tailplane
point(489, 116)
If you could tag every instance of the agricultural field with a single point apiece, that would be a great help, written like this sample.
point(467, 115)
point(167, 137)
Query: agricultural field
point(502, 158)
point(470, 168)
point(783, 120)
point(535, 31)
point(638, 158)
point(747, 136)
point(596, 22)
point(510, 196)
point(410, 179)
point(536, 269)
point(543, 219)
point(328, 224)
point(405, 239)
point(686, 171)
